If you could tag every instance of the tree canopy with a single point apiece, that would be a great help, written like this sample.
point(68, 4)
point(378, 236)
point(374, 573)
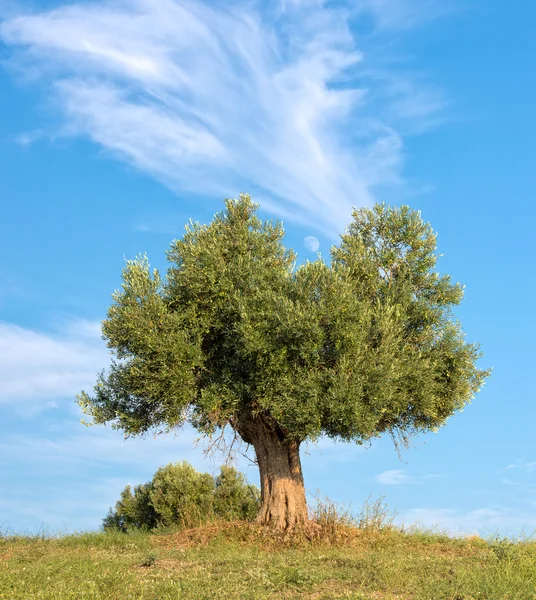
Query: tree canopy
point(237, 334)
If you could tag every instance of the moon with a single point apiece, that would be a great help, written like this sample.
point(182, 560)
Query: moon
point(311, 243)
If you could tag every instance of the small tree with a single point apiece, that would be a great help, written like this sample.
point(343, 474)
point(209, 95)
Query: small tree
point(237, 335)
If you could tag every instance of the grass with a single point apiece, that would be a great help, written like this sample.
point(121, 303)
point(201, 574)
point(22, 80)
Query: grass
point(362, 558)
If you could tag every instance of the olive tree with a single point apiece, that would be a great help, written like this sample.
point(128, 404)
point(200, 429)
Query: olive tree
point(237, 335)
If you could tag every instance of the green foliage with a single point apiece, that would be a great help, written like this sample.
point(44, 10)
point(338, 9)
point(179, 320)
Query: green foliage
point(178, 495)
point(234, 497)
point(352, 349)
point(134, 510)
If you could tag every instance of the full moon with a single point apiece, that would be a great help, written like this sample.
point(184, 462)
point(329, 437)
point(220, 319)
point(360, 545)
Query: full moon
point(311, 243)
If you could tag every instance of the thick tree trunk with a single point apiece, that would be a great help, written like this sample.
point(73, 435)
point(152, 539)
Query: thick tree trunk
point(283, 504)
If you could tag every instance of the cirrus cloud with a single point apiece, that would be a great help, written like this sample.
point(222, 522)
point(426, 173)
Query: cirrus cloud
point(485, 521)
point(394, 477)
point(37, 366)
point(214, 99)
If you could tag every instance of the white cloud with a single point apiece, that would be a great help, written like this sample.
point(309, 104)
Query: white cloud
point(527, 467)
point(401, 476)
point(394, 477)
point(39, 366)
point(486, 521)
point(214, 101)
point(81, 328)
point(95, 445)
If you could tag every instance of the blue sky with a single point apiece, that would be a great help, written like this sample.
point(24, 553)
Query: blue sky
point(122, 120)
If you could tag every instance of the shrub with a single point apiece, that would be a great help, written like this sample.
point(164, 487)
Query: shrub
point(178, 495)
point(132, 510)
point(234, 498)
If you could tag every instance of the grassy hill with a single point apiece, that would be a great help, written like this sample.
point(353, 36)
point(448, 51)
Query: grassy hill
point(239, 560)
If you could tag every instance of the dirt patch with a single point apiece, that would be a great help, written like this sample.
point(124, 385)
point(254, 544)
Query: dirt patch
point(6, 556)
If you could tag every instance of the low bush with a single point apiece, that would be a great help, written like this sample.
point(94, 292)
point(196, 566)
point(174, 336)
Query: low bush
point(179, 495)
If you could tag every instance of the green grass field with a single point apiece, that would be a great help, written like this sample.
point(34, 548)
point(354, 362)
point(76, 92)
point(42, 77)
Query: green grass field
point(242, 561)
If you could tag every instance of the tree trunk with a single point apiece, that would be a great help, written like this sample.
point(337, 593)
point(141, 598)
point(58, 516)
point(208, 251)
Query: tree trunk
point(283, 504)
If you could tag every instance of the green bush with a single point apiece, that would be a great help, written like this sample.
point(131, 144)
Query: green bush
point(132, 510)
point(233, 497)
point(178, 495)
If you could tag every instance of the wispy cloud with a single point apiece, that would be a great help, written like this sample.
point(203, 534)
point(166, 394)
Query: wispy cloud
point(40, 367)
point(487, 520)
point(401, 477)
point(91, 466)
point(92, 446)
point(519, 484)
point(78, 507)
point(406, 14)
point(29, 138)
point(213, 100)
point(394, 477)
point(520, 474)
point(523, 466)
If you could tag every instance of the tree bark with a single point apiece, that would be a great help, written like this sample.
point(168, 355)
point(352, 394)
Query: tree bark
point(283, 503)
